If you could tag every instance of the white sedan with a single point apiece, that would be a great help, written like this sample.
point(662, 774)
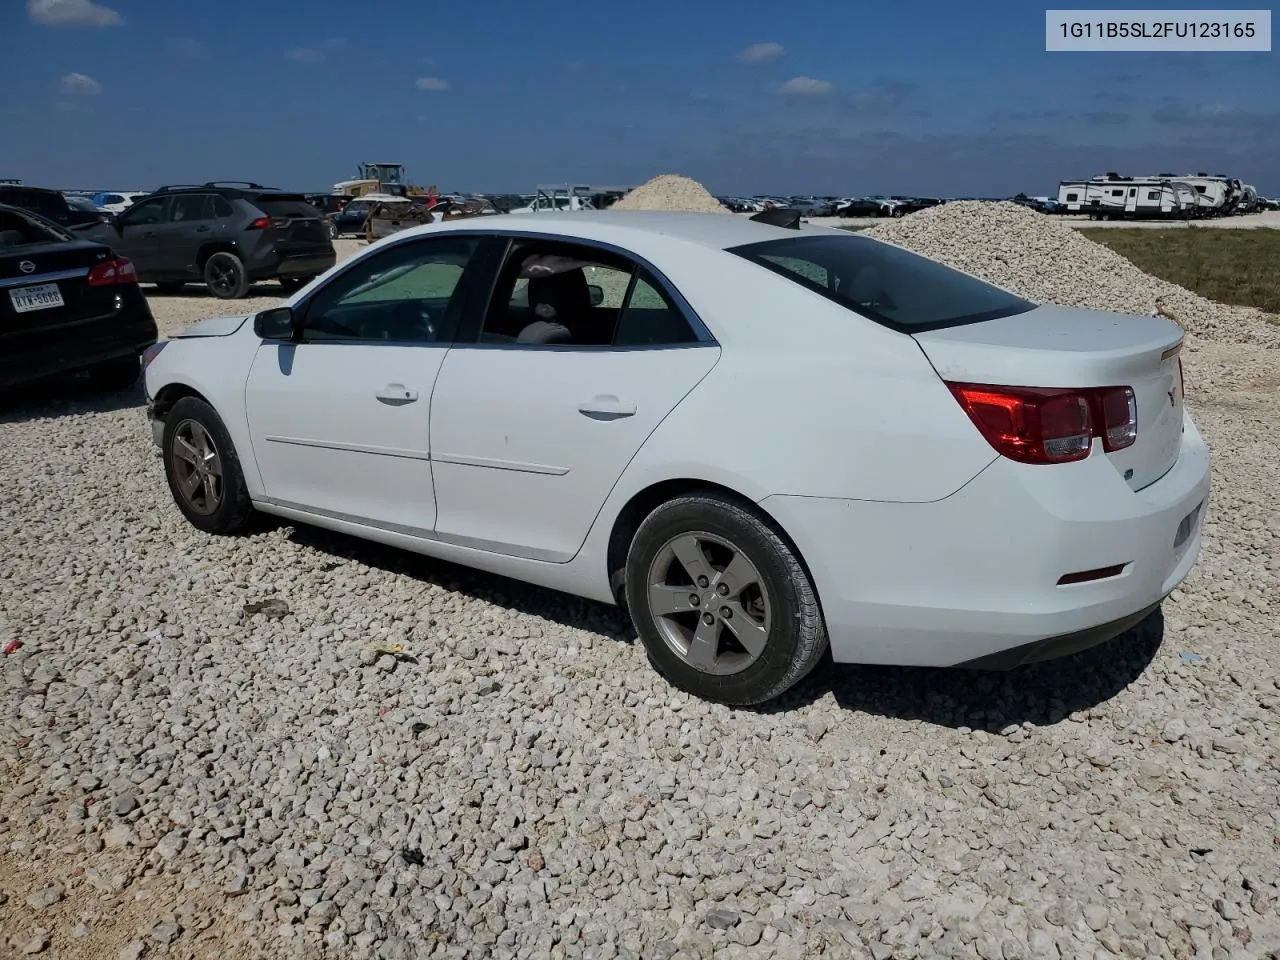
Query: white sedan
point(766, 441)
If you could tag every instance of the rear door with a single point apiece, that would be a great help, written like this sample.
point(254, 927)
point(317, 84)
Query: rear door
point(531, 429)
point(189, 224)
point(137, 235)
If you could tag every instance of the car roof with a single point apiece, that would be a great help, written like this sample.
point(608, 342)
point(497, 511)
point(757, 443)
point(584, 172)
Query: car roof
point(717, 231)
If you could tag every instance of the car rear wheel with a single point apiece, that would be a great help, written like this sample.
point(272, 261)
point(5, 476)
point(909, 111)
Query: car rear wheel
point(225, 276)
point(721, 602)
point(203, 470)
point(116, 374)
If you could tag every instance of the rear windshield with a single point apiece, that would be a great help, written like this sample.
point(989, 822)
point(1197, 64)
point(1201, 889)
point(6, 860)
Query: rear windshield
point(885, 283)
point(20, 230)
point(286, 206)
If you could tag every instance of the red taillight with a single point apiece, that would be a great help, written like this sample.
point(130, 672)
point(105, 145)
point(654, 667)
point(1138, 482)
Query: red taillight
point(1119, 417)
point(1048, 425)
point(112, 272)
point(260, 224)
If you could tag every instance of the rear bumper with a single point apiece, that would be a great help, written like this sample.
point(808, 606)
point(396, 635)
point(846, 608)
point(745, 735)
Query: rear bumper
point(973, 579)
point(71, 348)
point(292, 265)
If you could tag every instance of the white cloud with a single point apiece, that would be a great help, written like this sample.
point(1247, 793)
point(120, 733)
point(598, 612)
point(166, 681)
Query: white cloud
point(189, 48)
point(79, 85)
point(305, 55)
point(762, 52)
point(71, 13)
point(432, 83)
point(806, 86)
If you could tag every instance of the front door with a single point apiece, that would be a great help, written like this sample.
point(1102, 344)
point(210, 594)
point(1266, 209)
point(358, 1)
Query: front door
point(581, 356)
point(189, 224)
point(340, 419)
point(137, 236)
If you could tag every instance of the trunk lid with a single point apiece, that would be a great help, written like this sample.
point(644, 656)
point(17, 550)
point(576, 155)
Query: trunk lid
point(35, 276)
point(297, 224)
point(1057, 346)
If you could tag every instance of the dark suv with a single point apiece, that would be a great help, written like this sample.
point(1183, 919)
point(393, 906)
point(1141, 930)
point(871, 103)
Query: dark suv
point(223, 234)
point(49, 204)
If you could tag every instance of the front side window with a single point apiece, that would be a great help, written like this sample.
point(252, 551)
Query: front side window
point(146, 213)
point(412, 293)
point(884, 283)
point(562, 294)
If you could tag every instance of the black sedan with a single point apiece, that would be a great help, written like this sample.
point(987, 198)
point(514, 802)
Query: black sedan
point(67, 305)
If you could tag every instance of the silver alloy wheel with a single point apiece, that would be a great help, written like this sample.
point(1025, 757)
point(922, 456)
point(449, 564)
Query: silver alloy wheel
point(197, 467)
point(709, 602)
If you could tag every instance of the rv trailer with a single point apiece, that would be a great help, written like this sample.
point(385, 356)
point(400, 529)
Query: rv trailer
point(1114, 197)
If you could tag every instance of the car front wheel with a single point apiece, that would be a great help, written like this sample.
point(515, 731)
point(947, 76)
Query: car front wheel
point(203, 470)
point(724, 607)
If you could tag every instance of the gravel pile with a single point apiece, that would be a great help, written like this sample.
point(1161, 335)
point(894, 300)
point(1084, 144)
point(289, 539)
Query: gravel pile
point(1043, 259)
point(671, 192)
point(294, 744)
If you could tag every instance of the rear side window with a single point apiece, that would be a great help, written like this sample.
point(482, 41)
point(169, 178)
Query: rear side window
point(887, 284)
point(18, 230)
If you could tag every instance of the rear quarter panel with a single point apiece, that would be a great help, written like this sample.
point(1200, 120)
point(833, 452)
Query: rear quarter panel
point(808, 399)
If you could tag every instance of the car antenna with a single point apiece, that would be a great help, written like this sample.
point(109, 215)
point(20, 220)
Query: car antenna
point(779, 217)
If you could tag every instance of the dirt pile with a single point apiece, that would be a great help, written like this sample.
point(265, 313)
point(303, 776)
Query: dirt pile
point(1042, 258)
point(671, 192)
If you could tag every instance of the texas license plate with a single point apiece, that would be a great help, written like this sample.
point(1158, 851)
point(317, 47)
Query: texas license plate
point(40, 297)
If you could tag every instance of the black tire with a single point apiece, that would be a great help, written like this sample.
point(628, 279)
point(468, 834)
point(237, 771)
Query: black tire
point(796, 636)
point(233, 508)
point(171, 286)
point(116, 374)
point(334, 233)
point(225, 276)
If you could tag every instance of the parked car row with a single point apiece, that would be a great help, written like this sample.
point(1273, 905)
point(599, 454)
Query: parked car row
point(870, 206)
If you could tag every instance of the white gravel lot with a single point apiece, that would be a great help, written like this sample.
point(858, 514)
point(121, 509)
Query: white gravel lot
point(182, 777)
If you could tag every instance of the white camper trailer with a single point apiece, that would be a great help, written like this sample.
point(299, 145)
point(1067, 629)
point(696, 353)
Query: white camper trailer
point(1112, 196)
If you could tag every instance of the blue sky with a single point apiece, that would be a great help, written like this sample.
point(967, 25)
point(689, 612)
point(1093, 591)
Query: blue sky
point(928, 97)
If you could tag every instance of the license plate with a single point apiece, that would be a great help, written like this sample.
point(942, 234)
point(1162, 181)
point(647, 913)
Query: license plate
point(40, 297)
point(1187, 525)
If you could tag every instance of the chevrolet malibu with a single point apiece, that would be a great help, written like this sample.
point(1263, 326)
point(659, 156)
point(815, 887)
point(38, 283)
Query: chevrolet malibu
point(763, 439)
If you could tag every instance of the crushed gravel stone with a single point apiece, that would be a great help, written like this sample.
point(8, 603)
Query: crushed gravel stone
point(671, 192)
point(295, 744)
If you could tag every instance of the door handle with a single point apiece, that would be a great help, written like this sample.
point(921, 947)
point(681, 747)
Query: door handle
point(202, 229)
point(396, 394)
point(606, 406)
point(148, 235)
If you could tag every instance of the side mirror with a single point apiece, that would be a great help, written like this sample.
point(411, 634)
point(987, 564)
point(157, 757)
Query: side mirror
point(274, 324)
point(597, 294)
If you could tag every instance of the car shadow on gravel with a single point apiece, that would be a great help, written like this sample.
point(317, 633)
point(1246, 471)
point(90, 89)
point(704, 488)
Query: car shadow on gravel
point(1039, 694)
point(561, 608)
point(198, 291)
point(66, 397)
